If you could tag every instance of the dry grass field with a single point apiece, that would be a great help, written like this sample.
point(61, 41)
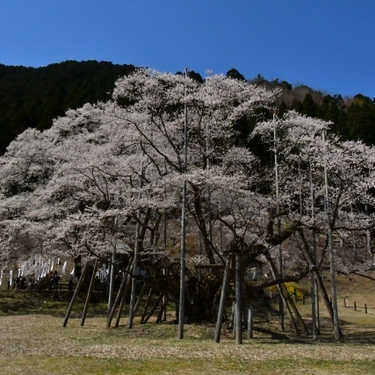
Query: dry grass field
point(33, 341)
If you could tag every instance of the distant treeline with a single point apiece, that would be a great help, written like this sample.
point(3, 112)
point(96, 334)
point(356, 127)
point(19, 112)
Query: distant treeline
point(33, 97)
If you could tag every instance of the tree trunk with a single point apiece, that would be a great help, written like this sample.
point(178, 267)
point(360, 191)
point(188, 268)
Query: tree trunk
point(203, 229)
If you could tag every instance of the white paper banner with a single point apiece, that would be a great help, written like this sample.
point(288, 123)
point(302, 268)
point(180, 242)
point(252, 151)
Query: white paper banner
point(63, 270)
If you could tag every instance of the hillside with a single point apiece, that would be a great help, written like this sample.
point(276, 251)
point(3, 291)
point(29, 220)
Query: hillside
point(33, 97)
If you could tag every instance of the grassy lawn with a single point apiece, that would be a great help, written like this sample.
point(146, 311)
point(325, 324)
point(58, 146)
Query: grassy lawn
point(33, 341)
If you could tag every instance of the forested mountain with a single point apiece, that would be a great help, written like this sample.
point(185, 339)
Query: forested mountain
point(32, 97)
point(353, 118)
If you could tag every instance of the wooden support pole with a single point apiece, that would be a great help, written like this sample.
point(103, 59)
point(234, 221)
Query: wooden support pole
point(89, 293)
point(238, 288)
point(163, 309)
point(165, 301)
point(148, 300)
point(75, 294)
point(317, 306)
point(250, 319)
point(116, 302)
point(223, 297)
point(134, 269)
point(295, 310)
point(288, 301)
point(233, 318)
point(320, 283)
point(158, 301)
point(123, 299)
point(282, 294)
point(137, 303)
point(111, 281)
point(181, 306)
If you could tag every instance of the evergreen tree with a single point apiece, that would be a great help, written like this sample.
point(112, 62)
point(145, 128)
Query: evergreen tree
point(234, 73)
point(308, 106)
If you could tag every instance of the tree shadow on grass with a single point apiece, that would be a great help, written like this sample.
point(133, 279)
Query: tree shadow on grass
point(273, 335)
point(23, 302)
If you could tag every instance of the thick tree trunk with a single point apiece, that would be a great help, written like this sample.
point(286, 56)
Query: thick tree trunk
point(202, 226)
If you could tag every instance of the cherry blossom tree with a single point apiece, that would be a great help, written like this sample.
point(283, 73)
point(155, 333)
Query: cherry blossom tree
point(114, 172)
point(152, 103)
point(124, 157)
point(321, 180)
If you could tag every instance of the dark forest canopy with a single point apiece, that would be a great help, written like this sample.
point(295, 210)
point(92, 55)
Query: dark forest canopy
point(33, 97)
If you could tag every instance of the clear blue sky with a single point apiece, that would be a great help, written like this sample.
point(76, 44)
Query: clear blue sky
point(328, 45)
